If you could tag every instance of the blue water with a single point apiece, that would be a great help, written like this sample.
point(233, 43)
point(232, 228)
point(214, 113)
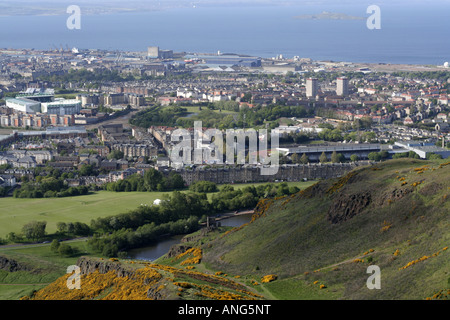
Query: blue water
point(415, 34)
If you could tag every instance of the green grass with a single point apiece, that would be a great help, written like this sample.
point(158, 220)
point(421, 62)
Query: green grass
point(14, 213)
point(43, 266)
point(300, 289)
point(193, 109)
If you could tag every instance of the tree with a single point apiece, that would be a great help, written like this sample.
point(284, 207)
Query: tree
point(54, 247)
point(336, 157)
point(116, 154)
point(295, 158)
point(61, 227)
point(34, 230)
point(374, 156)
point(152, 178)
point(354, 157)
point(203, 187)
point(434, 156)
point(66, 250)
point(86, 170)
point(304, 159)
point(13, 237)
point(323, 158)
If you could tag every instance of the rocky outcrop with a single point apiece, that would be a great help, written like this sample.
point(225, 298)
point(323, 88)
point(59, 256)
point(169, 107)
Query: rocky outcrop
point(177, 249)
point(346, 207)
point(88, 266)
point(10, 265)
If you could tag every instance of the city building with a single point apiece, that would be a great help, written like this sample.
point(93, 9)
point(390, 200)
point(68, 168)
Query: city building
point(153, 52)
point(421, 148)
point(165, 54)
point(114, 98)
point(229, 60)
point(23, 105)
point(61, 107)
point(38, 94)
point(312, 85)
point(342, 86)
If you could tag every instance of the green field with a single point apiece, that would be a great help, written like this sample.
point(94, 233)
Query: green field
point(14, 213)
point(194, 109)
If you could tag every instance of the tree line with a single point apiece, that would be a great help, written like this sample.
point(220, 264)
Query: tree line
point(153, 180)
point(48, 187)
point(212, 117)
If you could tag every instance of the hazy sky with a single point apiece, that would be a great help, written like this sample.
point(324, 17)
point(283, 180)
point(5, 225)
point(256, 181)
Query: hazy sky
point(237, 2)
point(44, 7)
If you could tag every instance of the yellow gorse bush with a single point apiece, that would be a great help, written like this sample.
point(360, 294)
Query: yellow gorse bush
point(94, 284)
point(411, 263)
point(386, 226)
point(268, 278)
point(195, 259)
point(341, 182)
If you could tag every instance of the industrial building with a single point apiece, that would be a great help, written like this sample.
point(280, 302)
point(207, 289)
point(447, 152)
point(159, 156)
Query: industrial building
point(228, 60)
point(362, 150)
point(153, 52)
point(34, 101)
point(156, 53)
point(61, 107)
point(23, 105)
point(420, 148)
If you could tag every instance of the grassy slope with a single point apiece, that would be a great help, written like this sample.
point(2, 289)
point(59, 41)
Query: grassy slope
point(296, 238)
point(43, 267)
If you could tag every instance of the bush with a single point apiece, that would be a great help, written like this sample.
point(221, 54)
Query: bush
point(66, 250)
point(203, 187)
point(54, 247)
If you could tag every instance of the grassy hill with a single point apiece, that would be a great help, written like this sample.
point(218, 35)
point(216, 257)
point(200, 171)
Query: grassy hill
point(316, 244)
point(393, 215)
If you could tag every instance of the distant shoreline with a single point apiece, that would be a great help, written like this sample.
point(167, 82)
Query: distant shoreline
point(328, 16)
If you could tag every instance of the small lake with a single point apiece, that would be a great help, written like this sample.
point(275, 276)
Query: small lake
point(160, 248)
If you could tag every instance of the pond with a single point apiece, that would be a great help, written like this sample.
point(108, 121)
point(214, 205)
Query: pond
point(160, 248)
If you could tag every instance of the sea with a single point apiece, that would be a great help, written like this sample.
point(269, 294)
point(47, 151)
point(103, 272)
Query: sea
point(409, 34)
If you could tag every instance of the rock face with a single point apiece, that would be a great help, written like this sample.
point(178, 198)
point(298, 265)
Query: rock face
point(10, 265)
point(177, 249)
point(88, 266)
point(346, 207)
point(156, 291)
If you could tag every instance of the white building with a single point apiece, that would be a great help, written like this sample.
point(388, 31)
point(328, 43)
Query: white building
point(61, 107)
point(23, 105)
